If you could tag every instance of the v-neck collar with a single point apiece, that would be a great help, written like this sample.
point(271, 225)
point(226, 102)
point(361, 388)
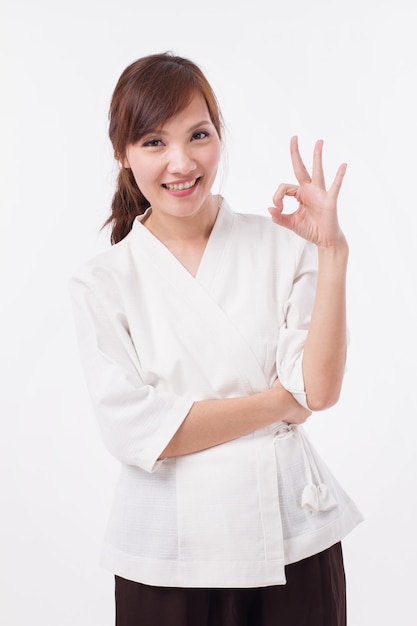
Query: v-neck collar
point(213, 251)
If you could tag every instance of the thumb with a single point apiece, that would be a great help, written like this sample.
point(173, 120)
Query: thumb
point(278, 217)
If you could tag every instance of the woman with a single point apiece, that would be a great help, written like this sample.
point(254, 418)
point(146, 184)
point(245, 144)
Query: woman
point(208, 337)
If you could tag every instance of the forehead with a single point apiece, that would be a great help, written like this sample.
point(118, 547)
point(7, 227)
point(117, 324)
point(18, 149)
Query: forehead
point(195, 112)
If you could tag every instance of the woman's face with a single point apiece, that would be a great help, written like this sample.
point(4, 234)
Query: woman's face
point(175, 165)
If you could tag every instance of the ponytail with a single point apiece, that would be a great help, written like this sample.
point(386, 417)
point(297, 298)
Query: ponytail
point(128, 202)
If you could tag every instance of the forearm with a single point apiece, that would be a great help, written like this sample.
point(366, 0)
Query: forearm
point(212, 422)
point(325, 348)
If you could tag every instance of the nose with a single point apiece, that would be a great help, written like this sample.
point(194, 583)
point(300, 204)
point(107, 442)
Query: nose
point(180, 161)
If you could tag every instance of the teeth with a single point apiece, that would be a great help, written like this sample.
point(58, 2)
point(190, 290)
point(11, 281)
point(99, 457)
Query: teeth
point(181, 186)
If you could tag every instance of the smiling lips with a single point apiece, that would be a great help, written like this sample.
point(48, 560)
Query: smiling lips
point(181, 186)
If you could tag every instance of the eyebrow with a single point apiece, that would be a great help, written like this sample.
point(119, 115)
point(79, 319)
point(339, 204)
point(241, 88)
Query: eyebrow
point(202, 123)
point(193, 127)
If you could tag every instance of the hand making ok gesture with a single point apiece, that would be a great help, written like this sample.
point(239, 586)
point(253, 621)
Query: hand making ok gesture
point(316, 216)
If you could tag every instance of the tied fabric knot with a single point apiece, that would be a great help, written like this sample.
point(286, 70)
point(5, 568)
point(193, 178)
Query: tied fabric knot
point(317, 498)
point(316, 495)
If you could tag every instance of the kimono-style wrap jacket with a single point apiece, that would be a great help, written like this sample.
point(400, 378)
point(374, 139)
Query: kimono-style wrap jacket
point(154, 339)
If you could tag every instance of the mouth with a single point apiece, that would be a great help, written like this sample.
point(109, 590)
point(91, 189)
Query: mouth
point(181, 186)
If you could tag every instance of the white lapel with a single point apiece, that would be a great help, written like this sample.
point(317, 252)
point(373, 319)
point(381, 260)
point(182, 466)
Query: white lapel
point(202, 317)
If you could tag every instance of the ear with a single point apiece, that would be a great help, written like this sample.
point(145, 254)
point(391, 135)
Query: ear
point(122, 159)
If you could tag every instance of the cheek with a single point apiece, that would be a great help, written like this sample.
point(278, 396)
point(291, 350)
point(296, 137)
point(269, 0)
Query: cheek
point(213, 158)
point(143, 172)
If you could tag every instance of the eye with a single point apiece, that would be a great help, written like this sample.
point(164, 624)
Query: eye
point(152, 143)
point(200, 134)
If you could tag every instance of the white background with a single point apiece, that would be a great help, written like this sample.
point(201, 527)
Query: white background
point(342, 71)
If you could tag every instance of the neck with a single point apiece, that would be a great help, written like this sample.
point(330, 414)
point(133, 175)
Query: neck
point(168, 228)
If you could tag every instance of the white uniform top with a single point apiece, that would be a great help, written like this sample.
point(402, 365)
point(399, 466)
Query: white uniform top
point(154, 339)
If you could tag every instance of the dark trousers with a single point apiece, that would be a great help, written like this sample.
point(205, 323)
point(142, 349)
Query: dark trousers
point(315, 595)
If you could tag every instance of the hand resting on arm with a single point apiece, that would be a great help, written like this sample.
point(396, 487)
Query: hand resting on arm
point(212, 422)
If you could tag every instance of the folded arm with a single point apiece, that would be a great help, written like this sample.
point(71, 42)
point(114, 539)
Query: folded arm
point(212, 422)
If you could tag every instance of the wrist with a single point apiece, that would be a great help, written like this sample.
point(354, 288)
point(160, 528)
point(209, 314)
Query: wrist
point(334, 257)
point(335, 248)
point(278, 401)
point(267, 404)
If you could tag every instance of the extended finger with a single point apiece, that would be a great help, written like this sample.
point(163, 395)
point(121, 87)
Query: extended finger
point(338, 179)
point(318, 174)
point(300, 169)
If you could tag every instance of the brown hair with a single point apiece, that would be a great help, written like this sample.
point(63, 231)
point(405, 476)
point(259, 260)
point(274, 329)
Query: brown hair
point(148, 93)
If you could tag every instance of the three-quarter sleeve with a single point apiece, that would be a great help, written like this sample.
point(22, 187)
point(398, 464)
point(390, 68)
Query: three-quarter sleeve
point(136, 420)
point(297, 315)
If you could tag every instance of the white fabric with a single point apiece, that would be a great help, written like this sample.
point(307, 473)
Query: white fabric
point(154, 340)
